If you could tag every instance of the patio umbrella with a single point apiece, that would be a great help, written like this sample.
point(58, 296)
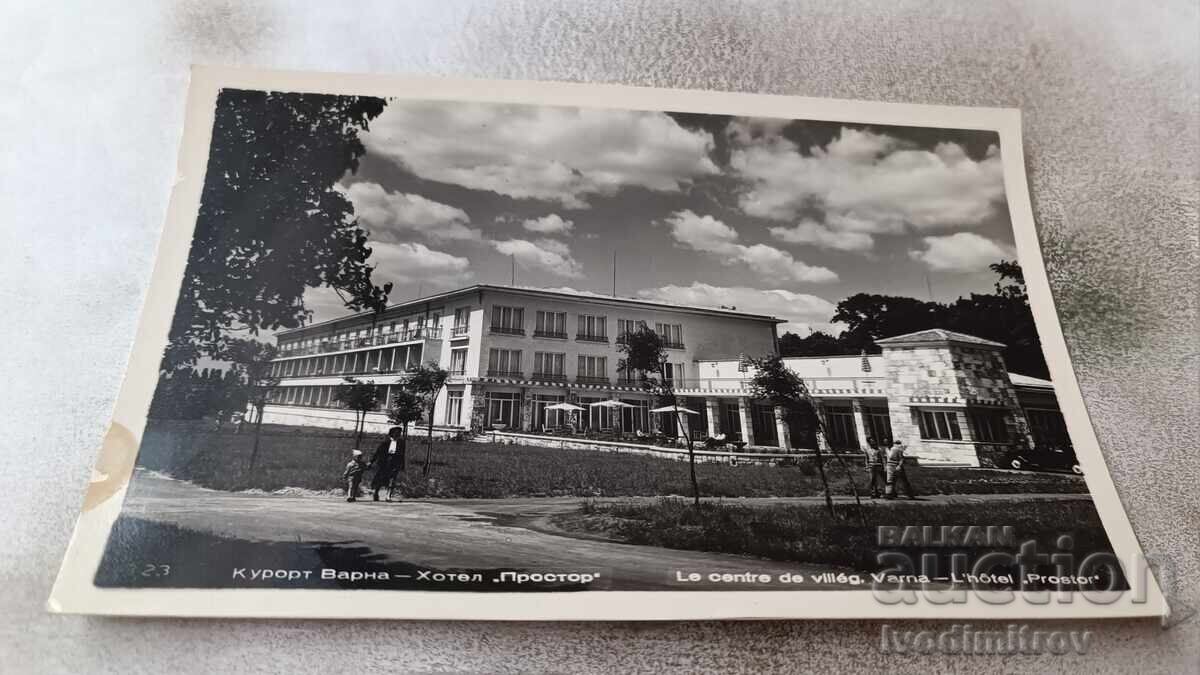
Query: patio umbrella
point(571, 407)
point(611, 403)
point(674, 409)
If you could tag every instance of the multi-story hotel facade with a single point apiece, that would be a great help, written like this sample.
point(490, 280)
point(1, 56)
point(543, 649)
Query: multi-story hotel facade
point(512, 353)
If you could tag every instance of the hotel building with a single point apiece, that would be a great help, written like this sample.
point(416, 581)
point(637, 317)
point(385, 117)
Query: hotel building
point(513, 352)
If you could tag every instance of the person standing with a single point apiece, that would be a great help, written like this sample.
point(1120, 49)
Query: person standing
point(875, 460)
point(388, 461)
point(353, 475)
point(896, 476)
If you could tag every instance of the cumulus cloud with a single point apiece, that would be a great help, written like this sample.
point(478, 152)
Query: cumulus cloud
point(865, 182)
point(407, 263)
point(709, 235)
point(551, 224)
point(809, 231)
point(802, 311)
point(547, 153)
point(961, 252)
point(546, 255)
point(387, 214)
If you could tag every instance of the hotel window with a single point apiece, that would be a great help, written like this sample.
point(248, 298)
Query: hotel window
point(504, 362)
point(673, 372)
point(551, 324)
point(842, 435)
point(454, 404)
point(458, 361)
point(592, 328)
point(548, 419)
point(627, 326)
point(1048, 427)
point(462, 321)
point(549, 366)
point(502, 410)
point(671, 334)
point(879, 425)
point(508, 320)
point(988, 425)
point(593, 369)
point(939, 425)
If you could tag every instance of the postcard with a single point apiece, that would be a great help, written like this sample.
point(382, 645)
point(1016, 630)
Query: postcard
point(425, 348)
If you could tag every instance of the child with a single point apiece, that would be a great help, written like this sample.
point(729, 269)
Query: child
point(353, 475)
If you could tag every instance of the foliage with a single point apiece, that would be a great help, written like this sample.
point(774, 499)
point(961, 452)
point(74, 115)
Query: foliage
point(191, 394)
point(361, 397)
point(404, 409)
point(271, 222)
point(426, 382)
point(313, 458)
point(251, 360)
point(643, 351)
point(1004, 316)
point(795, 532)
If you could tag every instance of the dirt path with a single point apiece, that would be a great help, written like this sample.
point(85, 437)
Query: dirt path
point(441, 535)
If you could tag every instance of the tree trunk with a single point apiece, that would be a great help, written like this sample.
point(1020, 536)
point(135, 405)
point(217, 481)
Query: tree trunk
point(360, 419)
point(687, 436)
point(257, 436)
point(853, 487)
point(824, 480)
point(429, 443)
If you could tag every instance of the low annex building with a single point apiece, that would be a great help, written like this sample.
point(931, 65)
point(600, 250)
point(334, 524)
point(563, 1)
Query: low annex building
point(512, 353)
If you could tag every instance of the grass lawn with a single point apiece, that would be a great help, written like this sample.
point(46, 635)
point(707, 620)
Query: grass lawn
point(311, 458)
point(806, 533)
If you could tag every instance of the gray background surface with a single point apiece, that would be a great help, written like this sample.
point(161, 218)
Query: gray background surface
point(90, 116)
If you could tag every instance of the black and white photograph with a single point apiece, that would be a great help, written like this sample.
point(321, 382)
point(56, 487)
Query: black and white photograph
point(479, 344)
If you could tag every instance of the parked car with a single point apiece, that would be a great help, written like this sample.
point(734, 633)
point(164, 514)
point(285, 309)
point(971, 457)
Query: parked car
point(1042, 457)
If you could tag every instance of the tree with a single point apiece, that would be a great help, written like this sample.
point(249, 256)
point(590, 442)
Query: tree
point(780, 386)
point(816, 343)
point(271, 222)
point(645, 353)
point(252, 361)
point(362, 398)
point(404, 409)
point(426, 383)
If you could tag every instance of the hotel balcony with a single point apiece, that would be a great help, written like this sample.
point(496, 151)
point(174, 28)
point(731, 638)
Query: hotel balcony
point(672, 345)
point(549, 334)
point(584, 379)
point(460, 331)
point(506, 373)
point(584, 337)
point(506, 330)
point(549, 377)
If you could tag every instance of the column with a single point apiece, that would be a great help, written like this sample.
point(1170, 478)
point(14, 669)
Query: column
point(744, 420)
point(526, 410)
point(860, 424)
point(713, 407)
point(781, 429)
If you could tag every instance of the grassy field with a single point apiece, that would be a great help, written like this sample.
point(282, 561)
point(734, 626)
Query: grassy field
point(314, 459)
point(806, 533)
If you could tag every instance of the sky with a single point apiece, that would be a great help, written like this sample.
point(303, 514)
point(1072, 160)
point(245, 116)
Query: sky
point(781, 217)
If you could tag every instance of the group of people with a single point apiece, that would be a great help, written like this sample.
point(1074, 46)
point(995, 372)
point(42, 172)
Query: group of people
point(388, 462)
point(885, 467)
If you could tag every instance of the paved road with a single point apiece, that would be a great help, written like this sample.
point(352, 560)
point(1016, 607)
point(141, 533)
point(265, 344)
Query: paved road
point(437, 534)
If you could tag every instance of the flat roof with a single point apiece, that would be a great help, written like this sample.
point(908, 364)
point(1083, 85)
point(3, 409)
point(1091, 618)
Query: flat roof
point(541, 292)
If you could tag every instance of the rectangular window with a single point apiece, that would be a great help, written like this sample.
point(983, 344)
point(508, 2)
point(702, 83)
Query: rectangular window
point(508, 320)
point(549, 366)
point(671, 334)
point(673, 372)
point(547, 420)
point(502, 410)
point(879, 425)
point(1049, 429)
point(842, 434)
point(592, 328)
point(592, 369)
point(454, 404)
point(988, 426)
point(939, 425)
point(458, 361)
point(504, 363)
point(551, 325)
point(462, 321)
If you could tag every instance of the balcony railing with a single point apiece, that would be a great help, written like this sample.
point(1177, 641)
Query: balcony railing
point(672, 345)
point(550, 377)
point(557, 335)
point(587, 379)
point(505, 373)
point(460, 331)
point(587, 337)
point(508, 330)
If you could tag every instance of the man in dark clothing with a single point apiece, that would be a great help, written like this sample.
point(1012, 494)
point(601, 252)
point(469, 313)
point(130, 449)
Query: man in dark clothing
point(388, 461)
point(875, 461)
